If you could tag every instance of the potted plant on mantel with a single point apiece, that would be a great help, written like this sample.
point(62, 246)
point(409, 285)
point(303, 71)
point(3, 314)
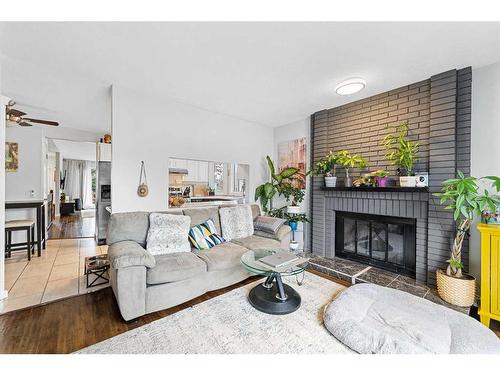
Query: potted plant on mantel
point(381, 177)
point(327, 167)
point(402, 152)
point(461, 195)
point(348, 161)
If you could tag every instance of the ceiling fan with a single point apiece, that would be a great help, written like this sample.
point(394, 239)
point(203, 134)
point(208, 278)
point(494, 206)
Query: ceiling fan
point(17, 116)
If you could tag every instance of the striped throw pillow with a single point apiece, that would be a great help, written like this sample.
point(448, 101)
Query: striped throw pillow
point(205, 236)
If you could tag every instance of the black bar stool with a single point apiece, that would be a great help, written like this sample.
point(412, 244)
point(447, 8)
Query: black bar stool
point(19, 225)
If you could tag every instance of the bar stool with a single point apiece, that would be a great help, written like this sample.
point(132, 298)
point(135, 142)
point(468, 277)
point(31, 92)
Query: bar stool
point(20, 225)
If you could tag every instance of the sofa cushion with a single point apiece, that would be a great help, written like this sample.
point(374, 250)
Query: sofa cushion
point(175, 267)
point(128, 226)
point(205, 236)
point(257, 242)
point(168, 233)
point(221, 257)
point(268, 224)
point(236, 222)
point(201, 215)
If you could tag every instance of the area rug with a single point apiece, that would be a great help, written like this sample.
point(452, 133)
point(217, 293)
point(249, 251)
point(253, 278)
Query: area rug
point(228, 324)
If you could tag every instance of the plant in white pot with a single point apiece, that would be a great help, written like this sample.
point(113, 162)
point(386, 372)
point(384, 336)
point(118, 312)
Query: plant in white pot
point(327, 168)
point(462, 195)
point(402, 152)
point(350, 161)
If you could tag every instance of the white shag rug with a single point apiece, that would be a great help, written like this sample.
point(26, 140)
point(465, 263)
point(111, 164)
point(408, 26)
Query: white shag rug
point(228, 324)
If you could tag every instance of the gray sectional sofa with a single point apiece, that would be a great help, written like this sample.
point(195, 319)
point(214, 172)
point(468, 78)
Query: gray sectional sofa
point(143, 283)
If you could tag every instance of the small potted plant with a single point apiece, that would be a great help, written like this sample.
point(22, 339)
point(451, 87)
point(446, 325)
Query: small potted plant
point(327, 168)
point(461, 195)
point(348, 161)
point(293, 195)
point(381, 177)
point(402, 152)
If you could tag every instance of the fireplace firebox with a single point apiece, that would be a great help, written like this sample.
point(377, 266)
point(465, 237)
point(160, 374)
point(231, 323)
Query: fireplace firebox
point(387, 242)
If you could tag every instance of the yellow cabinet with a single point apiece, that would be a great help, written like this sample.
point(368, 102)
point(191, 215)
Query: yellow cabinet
point(490, 273)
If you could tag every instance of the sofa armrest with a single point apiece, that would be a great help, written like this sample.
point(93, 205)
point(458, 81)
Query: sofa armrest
point(125, 254)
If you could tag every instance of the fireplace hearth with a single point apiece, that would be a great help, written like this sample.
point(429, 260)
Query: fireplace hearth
point(387, 242)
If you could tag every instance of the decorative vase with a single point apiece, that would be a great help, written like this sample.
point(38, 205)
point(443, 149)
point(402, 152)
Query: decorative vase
point(407, 181)
point(293, 225)
point(381, 181)
point(456, 291)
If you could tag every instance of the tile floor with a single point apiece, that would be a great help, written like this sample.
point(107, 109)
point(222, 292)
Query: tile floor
point(57, 274)
point(355, 272)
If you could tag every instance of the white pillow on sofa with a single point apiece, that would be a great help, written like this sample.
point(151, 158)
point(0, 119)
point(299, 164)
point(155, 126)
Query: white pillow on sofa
point(168, 233)
point(236, 222)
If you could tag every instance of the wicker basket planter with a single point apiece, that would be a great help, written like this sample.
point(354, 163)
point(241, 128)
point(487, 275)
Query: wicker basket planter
point(458, 292)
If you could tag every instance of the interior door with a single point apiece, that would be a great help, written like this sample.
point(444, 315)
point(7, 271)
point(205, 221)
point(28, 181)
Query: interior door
point(495, 274)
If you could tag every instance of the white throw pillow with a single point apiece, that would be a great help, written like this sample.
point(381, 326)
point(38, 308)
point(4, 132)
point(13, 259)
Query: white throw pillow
point(236, 222)
point(168, 233)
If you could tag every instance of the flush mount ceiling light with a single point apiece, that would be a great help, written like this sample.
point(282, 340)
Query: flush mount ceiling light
point(350, 86)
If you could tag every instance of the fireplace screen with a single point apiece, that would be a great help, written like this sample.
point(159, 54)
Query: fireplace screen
point(384, 241)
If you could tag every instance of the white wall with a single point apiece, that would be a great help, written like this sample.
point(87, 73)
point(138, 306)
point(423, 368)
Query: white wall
point(153, 129)
point(485, 138)
point(29, 174)
point(297, 129)
point(3, 102)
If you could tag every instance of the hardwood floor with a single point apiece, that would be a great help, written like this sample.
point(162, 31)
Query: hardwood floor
point(72, 226)
point(74, 323)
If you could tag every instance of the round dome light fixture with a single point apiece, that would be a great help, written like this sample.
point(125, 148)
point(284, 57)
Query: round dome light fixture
point(350, 86)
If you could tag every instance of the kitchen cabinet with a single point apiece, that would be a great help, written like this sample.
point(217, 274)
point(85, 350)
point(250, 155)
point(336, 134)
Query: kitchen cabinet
point(178, 163)
point(203, 171)
point(103, 151)
point(192, 167)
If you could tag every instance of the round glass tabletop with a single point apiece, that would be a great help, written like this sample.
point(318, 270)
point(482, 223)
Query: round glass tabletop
point(250, 260)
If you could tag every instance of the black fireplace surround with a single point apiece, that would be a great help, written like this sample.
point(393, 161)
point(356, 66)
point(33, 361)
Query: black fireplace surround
point(387, 242)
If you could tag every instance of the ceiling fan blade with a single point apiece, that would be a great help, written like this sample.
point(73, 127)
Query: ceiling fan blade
point(44, 122)
point(15, 112)
point(24, 123)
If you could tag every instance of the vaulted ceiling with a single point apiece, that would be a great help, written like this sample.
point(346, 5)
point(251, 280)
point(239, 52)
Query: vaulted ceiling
point(266, 73)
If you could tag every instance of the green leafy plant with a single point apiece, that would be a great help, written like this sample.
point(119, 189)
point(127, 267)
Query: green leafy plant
point(401, 151)
point(379, 173)
point(283, 214)
point(461, 195)
point(349, 161)
point(279, 181)
point(326, 166)
point(292, 194)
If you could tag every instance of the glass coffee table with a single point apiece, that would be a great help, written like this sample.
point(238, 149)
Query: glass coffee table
point(273, 296)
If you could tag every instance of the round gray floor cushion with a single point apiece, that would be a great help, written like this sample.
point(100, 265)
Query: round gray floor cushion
point(372, 319)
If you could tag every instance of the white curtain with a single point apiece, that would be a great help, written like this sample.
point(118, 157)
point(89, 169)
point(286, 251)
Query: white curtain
point(78, 183)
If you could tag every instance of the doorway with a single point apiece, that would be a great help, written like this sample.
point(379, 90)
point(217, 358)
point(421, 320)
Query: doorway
point(71, 177)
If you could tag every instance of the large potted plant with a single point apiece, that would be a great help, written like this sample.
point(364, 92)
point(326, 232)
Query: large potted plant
point(327, 167)
point(461, 195)
point(402, 152)
point(349, 161)
point(278, 182)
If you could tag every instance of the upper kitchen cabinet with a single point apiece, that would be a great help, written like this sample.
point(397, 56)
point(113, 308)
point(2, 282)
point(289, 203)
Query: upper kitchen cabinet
point(203, 171)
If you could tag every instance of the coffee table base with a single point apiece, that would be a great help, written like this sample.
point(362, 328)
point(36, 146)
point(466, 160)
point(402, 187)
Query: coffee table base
point(268, 300)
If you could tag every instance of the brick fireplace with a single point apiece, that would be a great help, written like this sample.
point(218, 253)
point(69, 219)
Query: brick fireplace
point(438, 111)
